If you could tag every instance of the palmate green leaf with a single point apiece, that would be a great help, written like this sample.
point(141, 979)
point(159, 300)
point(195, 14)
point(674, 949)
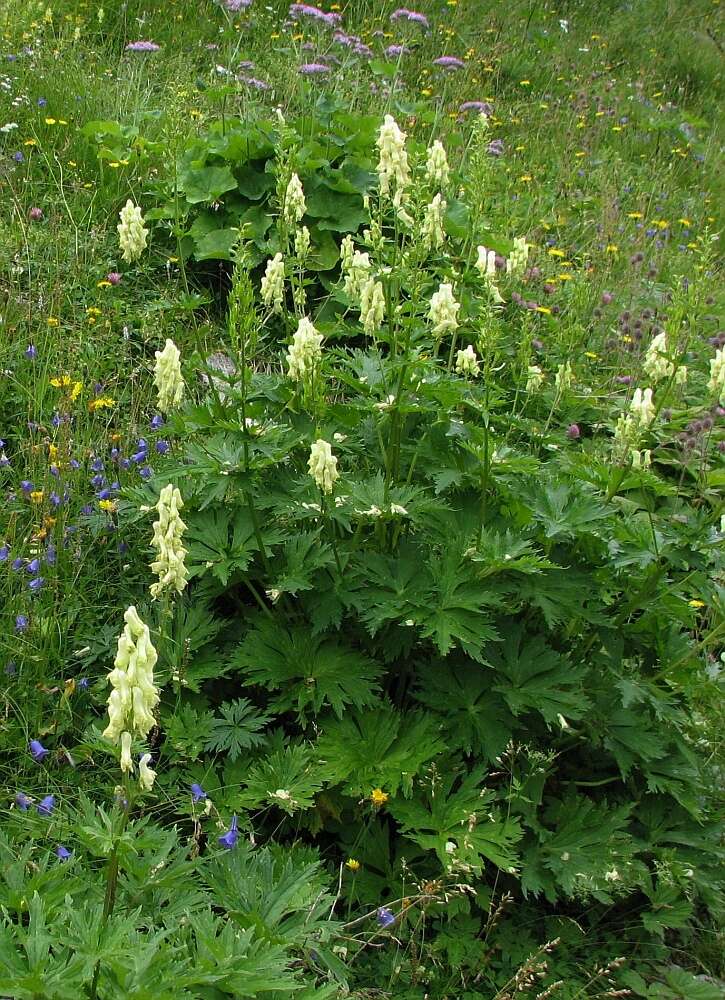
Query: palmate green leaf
point(563, 595)
point(629, 736)
point(669, 908)
point(452, 609)
point(220, 541)
point(288, 779)
point(387, 588)
point(308, 671)
point(532, 677)
point(238, 729)
point(475, 718)
point(301, 558)
point(507, 553)
point(563, 512)
point(379, 748)
point(455, 819)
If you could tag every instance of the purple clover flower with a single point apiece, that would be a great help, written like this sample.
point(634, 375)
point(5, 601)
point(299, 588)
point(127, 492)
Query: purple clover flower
point(449, 62)
point(46, 805)
point(402, 13)
point(230, 838)
point(142, 46)
point(38, 751)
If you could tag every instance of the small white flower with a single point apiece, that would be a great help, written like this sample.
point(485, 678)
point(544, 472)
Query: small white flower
point(395, 508)
point(386, 403)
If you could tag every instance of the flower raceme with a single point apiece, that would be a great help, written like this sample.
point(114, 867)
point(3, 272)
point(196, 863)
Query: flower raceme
point(443, 312)
point(716, 383)
point(432, 231)
point(393, 162)
point(372, 306)
point(322, 465)
point(437, 170)
point(272, 288)
point(294, 205)
point(305, 351)
point(656, 364)
point(134, 696)
point(132, 235)
point(169, 565)
point(467, 362)
point(168, 379)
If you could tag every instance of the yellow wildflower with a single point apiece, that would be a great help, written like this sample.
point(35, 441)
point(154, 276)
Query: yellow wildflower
point(101, 403)
point(108, 505)
point(36, 496)
point(378, 797)
point(353, 864)
point(52, 321)
point(696, 604)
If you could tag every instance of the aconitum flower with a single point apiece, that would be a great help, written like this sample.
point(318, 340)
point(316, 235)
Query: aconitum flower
point(63, 853)
point(716, 383)
point(437, 170)
point(131, 232)
point(642, 407)
point(46, 805)
point(305, 351)
point(517, 259)
point(357, 271)
point(432, 231)
point(656, 364)
point(272, 288)
point(372, 306)
point(230, 838)
point(38, 751)
point(169, 565)
point(443, 312)
point(467, 362)
point(197, 792)
point(393, 162)
point(302, 242)
point(146, 774)
point(294, 205)
point(134, 695)
point(322, 465)
point(641, 459)
point(564, 377)
point(168, 378)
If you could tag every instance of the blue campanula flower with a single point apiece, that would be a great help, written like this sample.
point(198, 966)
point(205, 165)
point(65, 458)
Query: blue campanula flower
point(4, 460)
point(31, 352)
point(157, 422)
point(104, 494)
point(21, 623)
point(33, 566)
point(197, 792)
point(162, 447)
point(46, 805)
point(55, 499)
point(125, 464)
point(36, 584)
point(82, 683)
point(386, 917)
point(22, 801)
point(74, 463)
point(63, 853)
point(230, 838)
point(98, 481)
point(17, 563)
point(37, 751)
point(146, 472)
point(26, 486)
point(4, 553)
point(50, 555)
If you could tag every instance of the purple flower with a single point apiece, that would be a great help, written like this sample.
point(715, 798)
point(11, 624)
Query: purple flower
point(393, 51)
point(4, 553)
point(113, 278)
point(55, 499)
point(230, 838)
point(26, 486)
point(449, 62)
point(18, 157)
point(197, 792)
point(157, 422)
point(63, 853)
point(17, 564)
point(386, 917)
point(33, 566)
point(82, 683)
point(253, 82)
point(46, 806)
point(146, 472)
point(31, 352)
point(573, 432)
point(234, 6)
point(50, 555)
point(21, 623)
point(97, 465)
point(22, 801)
point(623, 379)
point(4, 460)
point(307, 10)
point(35, 214)
point(162, 447)
point(38, 751)
point(409, 15)
point(42, 102)
point(142, 47)
point(483, 106)
point(36, 584)
point(314, 69)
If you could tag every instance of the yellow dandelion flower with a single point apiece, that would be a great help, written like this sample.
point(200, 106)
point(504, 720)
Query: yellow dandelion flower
point(378, 797)
point(30, 142)
point(684, 222)
point(353, 864)
point(525, 178)
point(60, 381)
point(612, 248)
point(52, 452)
point(101, 403)
point(75, 391)
point(103, 284)
point(36, 496)
point(109, 506)
point(50, 121)
point(564, 277)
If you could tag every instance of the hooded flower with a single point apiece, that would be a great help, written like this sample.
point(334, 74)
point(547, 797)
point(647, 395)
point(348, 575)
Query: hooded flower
point(432, 230)
point(323, 465)
point(372, 306)
point(656, 364)
point(294, 205)
point(134, 695)
point(146, 774)
point(169, 565)
point(517, 259)
point(467, 362)
point(534, 378)
point(437, 170)
point(443, 312)
point(168, 378)
point(393, 162)
point(486, 264)
point(230, 838)
point(716, 384)
point(131, 232)
point(305, 351)
point(272, 288)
